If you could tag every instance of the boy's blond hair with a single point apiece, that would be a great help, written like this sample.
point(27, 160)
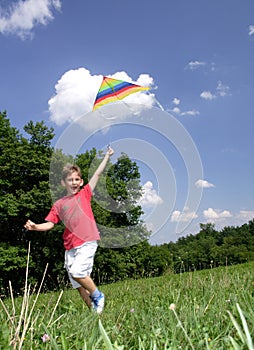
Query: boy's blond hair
point(68, 169)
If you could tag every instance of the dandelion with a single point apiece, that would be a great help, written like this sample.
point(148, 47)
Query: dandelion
point(172, 306)
point(45, 338)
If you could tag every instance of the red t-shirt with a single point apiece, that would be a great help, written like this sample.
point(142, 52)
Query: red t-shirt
point(76, 213)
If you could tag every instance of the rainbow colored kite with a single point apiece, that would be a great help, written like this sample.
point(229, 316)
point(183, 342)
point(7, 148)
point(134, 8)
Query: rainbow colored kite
point(112, 90)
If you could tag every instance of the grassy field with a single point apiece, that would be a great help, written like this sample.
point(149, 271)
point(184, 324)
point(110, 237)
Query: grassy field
point(209, 309)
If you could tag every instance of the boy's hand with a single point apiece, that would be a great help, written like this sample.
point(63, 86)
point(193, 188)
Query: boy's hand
point(30, 225)
point(110, 151)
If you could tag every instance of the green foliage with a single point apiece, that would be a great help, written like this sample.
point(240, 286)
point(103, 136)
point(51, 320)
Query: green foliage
point(13, 261)
point(210, 248)
point(138, 261)
point(24, 177)
point(40, 135)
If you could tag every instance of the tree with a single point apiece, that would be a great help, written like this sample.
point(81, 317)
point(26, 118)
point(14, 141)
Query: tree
point(24, 168)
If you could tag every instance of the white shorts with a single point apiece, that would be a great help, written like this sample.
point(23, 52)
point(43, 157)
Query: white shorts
point(79, 261)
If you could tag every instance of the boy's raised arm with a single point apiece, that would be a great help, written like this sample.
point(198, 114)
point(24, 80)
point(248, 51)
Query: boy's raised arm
point(45, 226)
point(94, 179)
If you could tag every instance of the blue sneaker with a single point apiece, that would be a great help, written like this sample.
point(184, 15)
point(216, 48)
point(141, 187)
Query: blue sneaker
point(98, 303)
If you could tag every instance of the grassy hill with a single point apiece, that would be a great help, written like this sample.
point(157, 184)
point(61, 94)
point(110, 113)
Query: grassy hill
point(209, 309)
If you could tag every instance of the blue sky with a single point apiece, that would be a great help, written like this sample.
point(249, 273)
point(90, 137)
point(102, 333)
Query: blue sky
point(197, 57)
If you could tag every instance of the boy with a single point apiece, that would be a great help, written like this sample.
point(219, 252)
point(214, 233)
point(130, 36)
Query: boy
point(81, 233)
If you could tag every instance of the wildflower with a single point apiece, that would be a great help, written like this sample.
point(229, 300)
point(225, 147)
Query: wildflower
point(227, 301)
point(45, 338)
point(172, 306)
point(132, 310)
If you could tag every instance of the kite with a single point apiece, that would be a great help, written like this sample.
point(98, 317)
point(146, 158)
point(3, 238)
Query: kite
point(113, 89)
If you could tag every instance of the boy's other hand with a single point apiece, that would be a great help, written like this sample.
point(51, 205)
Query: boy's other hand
point(30, 225)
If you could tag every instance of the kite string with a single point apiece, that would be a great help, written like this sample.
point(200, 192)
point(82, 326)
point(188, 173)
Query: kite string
point(109, 128)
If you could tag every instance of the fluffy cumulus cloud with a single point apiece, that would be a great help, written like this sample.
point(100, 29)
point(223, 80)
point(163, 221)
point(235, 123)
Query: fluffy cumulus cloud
point(207, 95)
point(176, 101)
point(76, 91)
point(22, 16)
point(215, 214)
point(203, 184)
point(183, 216)
point(221, 90)
point(223, 218)
point(149, 198)
point(246, 215)
point(177, 110)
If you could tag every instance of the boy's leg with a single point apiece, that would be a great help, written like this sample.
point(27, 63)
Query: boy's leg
point(87, 283)
point(85, 295)
point(97, 298)
point(79, 263)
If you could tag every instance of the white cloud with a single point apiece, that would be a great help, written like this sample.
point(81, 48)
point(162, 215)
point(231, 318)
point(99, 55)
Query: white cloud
point(203, 184)
point(76, 91)
point(246, 215)
point(224, 218)
point(23, 16)
point(192, 65)
point(176, 101)
point(251, 30)
point(176, 110)
point(223, 90)
point(207, 95)
point(214, 214)
point(149, 197)
point(184, 216)
point(192, 112)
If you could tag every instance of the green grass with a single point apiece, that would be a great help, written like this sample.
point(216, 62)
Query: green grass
point(213, 310)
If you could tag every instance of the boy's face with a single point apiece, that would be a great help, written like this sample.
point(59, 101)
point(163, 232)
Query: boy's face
point(72, 183)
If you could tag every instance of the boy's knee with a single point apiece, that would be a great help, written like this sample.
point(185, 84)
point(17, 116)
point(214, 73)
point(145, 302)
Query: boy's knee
point(75, 278)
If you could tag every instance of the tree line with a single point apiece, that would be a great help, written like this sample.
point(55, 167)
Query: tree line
point(30, 173)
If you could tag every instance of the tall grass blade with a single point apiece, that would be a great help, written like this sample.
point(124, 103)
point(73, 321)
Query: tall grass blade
point(52, 315)
point(27, 320)
point(64, 342)
point(141, 346)
point(245, 327)
point(12, 300)
point(7, 312)
point(105, 337)
point(23, 307)
point(237, 327)
point(236, 346)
